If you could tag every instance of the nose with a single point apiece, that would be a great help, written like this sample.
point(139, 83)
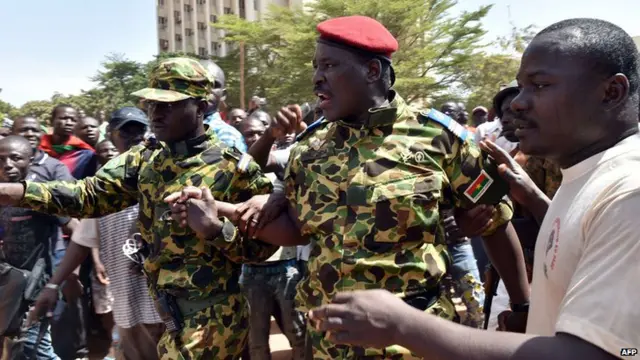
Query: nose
point(318, 77)
point(520, 103)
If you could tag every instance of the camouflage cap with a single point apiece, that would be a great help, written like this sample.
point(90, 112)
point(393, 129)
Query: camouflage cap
point(177, 79)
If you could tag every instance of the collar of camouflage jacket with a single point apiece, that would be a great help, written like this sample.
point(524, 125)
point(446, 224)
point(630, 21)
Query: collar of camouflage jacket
point(193, 146)
point(386, 114)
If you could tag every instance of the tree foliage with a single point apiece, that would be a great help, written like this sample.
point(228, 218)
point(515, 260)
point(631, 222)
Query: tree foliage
point(481, 80)
point(433, 45)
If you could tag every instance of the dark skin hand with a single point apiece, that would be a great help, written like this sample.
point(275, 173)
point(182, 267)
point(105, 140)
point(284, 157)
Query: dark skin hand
point(288, 120)
point(72, 289)
point(521, 188)
point(377, 318)
point(194, 207)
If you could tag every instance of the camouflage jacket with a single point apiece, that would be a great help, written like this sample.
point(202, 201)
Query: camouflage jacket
point(180, 262)
point(369, 196)
point(545, 174)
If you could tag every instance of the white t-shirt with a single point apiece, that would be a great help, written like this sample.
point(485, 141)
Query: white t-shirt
point(491, 131)
point(587, 258)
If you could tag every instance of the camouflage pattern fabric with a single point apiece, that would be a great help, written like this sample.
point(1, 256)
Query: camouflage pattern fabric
point(219, 332)
point(368, 197)
point(323, 349)
point(471, 290)
point(545, 174)
point(177, 79)
point(182, 264)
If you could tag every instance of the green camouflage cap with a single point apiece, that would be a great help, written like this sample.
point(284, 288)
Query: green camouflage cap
point(177, 79)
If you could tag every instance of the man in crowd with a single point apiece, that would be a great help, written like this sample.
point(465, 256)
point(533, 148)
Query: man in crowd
point(45, 168)
point(365, 186)
point(225, 132)
point(271, 284)
point(27, 238)
point(106, 151)
point(479, 116)
point(139, 325)
point(193, 274)
point(61, 144)
point(236, 116)
point(587, 254)
point(88, 130)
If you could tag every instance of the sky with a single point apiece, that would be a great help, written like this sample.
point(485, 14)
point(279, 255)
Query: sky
point(56, 46)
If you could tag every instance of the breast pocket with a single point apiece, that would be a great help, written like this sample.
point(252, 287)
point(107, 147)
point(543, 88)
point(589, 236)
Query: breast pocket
point(318, 192)
point(405, 209)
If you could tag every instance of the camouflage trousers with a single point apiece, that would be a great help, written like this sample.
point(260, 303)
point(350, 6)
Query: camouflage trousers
point(467, 284)
point(317, 348)
point(218, 332)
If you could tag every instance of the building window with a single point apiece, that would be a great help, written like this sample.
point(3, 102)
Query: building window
point(256, 6)
point(188, 32)
point(178, 37)
point(187, 8)
point(162, 20)
point(164, 44)
point(202, 51)
point(214, 45)
point(242, 10)
point(160, 2)
point(213, 18)
point(227, 10)
point(202, 26)
point(202, 2)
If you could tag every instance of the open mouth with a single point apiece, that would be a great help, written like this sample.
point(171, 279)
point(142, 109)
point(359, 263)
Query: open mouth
point(324, 98)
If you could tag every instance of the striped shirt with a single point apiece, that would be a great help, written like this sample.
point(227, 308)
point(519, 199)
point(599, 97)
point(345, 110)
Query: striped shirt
point(132, 304)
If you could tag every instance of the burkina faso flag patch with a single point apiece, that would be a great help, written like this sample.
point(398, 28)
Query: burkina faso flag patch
point(479, 186)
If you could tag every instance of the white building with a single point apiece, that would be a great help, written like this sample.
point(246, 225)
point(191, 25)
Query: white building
point(184, 25)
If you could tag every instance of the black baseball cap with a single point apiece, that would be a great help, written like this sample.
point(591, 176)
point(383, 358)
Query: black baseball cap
point(126, 115)
point(510, 89)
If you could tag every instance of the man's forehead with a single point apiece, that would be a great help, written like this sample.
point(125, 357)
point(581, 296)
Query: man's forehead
point(548, 56)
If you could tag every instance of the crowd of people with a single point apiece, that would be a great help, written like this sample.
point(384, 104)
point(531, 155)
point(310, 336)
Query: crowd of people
point(174, 231)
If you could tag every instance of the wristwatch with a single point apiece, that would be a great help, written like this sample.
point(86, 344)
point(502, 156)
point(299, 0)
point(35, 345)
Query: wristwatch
point(52, 286)
point(520, 308)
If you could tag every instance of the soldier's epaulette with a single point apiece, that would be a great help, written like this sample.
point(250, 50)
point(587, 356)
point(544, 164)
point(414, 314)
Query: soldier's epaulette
point(311, 128)
point(446, 121)
point(243, 160)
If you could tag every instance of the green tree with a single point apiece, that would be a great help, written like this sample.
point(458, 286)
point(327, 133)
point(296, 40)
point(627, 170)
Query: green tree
point(40, 109)
point(482, 79)
point(117, 80)
point(6, 109)
point(434, 44)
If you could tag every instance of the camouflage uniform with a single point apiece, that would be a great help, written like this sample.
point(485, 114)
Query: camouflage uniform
point(368, 198)
point(180, 263)
point(544, 173)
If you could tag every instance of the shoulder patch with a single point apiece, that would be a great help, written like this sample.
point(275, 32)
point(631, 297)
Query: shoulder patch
point(243, 160)
point(311, 128)
point(444, 120)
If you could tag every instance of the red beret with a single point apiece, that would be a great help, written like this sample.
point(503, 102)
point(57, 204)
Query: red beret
point(359, 32)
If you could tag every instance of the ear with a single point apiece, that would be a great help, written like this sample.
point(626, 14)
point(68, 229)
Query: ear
point(374, 70)
point(202, 107)
point(616, 91)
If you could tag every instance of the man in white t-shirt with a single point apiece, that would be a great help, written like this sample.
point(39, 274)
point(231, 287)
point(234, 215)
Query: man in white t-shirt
point(576, 74)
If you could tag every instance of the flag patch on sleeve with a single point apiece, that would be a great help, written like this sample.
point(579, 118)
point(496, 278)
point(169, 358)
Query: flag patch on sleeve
point(478, 187)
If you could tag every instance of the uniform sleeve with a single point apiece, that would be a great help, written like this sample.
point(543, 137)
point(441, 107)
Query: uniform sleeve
point(600, 305)
point(86, 234)
point(113, 188)
point(247, 181)
point(474, 180)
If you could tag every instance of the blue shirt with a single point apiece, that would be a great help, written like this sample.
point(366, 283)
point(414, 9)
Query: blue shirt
point(225, 132)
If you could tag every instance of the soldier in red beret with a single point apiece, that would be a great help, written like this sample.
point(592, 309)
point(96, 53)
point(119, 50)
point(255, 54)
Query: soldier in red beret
point(365, 188)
